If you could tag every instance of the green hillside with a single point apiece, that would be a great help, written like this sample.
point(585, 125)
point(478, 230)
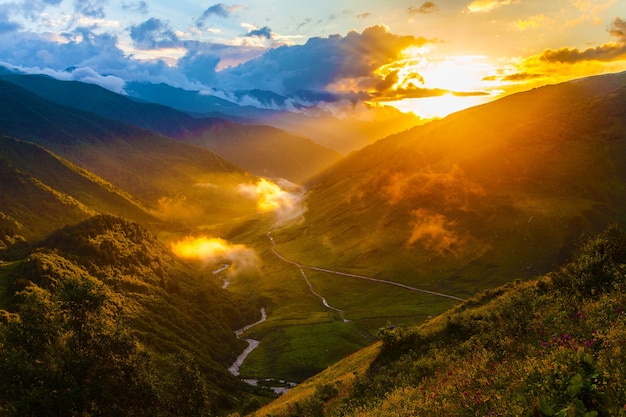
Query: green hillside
point(455, 207)
point(462, 204)
point(41, 192)
point(552, 346)
point(183, 183)
point(140, 312)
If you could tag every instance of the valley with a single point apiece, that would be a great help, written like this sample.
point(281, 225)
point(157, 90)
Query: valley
point(248, 274)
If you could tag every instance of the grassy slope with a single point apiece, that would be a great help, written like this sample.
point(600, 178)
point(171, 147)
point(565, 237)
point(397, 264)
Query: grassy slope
point(184, 183)
point(551, 346)
point(43, 192)
point(446, 205)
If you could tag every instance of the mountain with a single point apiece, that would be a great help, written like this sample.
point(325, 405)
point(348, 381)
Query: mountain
point(178, 181)
point(551, 346)
point(345, 131)
point(41, 192)
point(337, 126)
point(184, 100)
point(249, 146)
point(109, 318)
point(465, 203)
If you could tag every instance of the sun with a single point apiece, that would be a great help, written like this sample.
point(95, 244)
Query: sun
point(434, 87)
point(439, 106)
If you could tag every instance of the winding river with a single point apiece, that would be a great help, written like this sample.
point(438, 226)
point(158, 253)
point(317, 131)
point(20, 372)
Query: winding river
point(253, 344)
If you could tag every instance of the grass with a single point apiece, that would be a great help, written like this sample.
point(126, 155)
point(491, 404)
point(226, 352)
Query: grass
point(552, 346)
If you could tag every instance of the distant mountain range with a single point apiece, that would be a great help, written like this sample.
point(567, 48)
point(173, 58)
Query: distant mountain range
point(252, 147)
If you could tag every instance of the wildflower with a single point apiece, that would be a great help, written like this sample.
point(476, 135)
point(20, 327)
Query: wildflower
point(620, 309)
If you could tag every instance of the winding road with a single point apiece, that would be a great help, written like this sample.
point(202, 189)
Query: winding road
point(329, 271)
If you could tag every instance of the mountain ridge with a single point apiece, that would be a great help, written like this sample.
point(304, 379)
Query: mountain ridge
point(250, 146)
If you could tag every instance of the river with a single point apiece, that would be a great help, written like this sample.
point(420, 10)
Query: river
point(277, 386)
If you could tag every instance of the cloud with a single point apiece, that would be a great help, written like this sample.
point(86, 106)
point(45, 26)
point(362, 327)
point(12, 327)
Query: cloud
point(618, 29)
point(137, 7)
point(304, 23)
point(210, 251)
point(363, 16)
point(6, 25)
point(450, 189)
point(152, 33)
point(199, 66)
point(219, 10)
point(284, 199)
point(426, 8)
point(484, 6)
point(435, 233)
point(604, 52)
point(90, 8)
point(514, 77)
point(264, 32)
point(531, 23)
point(337, 63)
point(82, 74)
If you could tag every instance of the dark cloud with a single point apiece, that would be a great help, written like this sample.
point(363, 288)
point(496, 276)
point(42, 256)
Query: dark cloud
point(304, 23)
point(470, 93)
point(199, 66)
point(153, 33)
point(321, 62)
point(426, 8)
point(409, 91)
point(363, 16)
point(518, 76)
point(605, 52)
point(219, 10)
point(618, 29)
point(388, 81)
point(264, 32)
point(90, 8)
point(138, 7)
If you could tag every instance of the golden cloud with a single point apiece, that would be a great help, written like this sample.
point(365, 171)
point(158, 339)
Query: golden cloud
point(435, 233)
point(484, 6)
point(211, 251)
point(284, 199)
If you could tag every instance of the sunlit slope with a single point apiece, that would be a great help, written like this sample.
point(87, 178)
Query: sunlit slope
point(546, 347)
point(251, 147)
point(41, 192)
point(182, 182)
point(488, 194)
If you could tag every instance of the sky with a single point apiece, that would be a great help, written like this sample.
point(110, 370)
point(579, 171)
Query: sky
point(429, 57)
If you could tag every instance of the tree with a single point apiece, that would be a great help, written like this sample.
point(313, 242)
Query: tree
point(68, 355)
